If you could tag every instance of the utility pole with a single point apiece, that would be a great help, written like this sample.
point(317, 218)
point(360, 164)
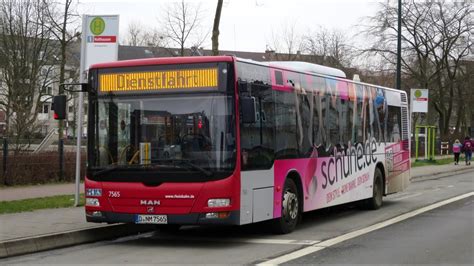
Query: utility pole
point(399, 46)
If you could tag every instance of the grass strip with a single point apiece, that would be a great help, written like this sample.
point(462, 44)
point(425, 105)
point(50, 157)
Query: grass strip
point(435, 162)
point(26, 205)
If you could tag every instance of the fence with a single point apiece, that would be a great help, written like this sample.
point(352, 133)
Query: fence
point(22, 167)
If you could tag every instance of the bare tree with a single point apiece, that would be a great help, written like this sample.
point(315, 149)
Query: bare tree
point(64, 21)
point(135, 34)
point(154, 38)
point(434, 43)
point(26, 63)
point(328, 47)
point(182, 24)
point(316, 44)
point(141, 35)
point(286, 43)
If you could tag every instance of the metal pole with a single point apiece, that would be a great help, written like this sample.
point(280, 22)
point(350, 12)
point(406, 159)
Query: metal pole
point(5, 155)
point(427, 142)
point(80, 105)
point(416, 142)
point(61, 159)
point(399, 46)
point(434, 143)
point(78, 147)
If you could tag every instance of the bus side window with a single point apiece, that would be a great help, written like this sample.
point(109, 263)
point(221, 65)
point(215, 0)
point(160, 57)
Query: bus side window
point(304, 106)
point(394, 124)
point(286, 145)
point(257, 139)
point(332, 118)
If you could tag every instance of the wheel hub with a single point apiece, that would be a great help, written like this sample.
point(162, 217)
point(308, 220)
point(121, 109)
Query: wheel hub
point(290, 205)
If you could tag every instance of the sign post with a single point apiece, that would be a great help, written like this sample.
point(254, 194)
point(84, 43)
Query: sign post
point(419, 104)
point(419, 100)
point(99, 44)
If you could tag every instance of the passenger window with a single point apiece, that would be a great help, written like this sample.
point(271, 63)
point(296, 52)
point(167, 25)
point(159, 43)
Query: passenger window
point(257, 139)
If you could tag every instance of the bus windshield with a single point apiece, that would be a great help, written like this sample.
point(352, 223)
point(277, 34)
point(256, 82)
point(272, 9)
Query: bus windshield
point(163, 132)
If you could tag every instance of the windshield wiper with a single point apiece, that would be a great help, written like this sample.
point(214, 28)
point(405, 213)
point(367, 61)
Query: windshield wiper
point(187, 163)
point(174, 162)
point(106, 170)
point(197, 167)
point(111, 168)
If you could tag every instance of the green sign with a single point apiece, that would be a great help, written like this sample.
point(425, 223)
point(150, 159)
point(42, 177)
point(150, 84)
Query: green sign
point(97, 26)
point(418, 93)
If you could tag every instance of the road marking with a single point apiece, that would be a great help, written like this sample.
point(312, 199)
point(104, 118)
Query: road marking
point(241, 240)
point(276, 241)
point(330, 242)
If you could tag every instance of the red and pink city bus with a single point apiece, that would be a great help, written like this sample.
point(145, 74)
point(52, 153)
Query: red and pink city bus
point(227, 141)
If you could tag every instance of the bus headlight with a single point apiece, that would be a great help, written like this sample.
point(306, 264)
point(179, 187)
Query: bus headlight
point(218, 203)
point(94, 202)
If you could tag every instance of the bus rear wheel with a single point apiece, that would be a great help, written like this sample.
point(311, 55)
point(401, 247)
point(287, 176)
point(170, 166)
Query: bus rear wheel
point(375, 202)
point(290, 211)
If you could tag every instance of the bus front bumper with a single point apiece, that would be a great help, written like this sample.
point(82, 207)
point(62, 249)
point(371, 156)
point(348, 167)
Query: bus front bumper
point(184, 219)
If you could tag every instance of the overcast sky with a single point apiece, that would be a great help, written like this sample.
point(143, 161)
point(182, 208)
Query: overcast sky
point(246, 25)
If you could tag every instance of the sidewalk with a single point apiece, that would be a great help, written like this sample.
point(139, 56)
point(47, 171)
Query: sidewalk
point(433, 170)
point(28, 232)
point(39, 230)
point(42, 222)
point(38, 191)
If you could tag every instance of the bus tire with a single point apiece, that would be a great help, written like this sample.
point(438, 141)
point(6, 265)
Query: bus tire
point(290, 209)
point(375, 202)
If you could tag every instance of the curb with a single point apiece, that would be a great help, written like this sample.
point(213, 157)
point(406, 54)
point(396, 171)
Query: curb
point(440, 174)
point(28, 245)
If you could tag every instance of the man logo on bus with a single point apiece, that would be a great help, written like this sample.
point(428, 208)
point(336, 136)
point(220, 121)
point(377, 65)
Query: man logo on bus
point(97, 26)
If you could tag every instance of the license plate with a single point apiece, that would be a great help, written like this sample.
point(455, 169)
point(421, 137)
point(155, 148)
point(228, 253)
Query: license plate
point(151, 219)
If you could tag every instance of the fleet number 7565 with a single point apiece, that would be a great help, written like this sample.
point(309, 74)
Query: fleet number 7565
point(114, 194)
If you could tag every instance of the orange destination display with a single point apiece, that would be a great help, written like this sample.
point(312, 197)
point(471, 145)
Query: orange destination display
point(158, 80)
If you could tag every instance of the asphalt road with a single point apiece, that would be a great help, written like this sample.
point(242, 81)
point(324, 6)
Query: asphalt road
point(442, 236)
point(421, 237)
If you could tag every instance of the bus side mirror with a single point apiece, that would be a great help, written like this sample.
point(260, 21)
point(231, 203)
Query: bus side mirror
point(248, 107)
point(59, 107)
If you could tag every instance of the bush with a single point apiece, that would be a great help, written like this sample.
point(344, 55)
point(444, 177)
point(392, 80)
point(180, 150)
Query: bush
point(39, 168)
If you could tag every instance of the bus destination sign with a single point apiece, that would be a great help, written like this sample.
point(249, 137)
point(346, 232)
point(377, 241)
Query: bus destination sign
point(158, 80)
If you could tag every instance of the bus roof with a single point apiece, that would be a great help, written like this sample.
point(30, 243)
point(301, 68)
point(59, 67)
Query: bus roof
point(310, 68)
point(289, 65)
point(164, 61)
point(319, 70)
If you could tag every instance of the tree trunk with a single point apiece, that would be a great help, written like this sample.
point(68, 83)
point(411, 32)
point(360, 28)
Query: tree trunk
point(215, 29)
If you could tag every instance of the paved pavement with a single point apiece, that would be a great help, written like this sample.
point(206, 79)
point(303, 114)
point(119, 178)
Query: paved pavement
point(42, 222)
point(37, 224)
point(433, 170)
point(38, 191)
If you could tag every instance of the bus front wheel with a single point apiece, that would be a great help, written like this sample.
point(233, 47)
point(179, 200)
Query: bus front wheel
point(290, 211)
point(375, 202)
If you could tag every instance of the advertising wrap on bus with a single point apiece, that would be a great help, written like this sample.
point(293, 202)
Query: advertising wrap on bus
point(343, 177)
